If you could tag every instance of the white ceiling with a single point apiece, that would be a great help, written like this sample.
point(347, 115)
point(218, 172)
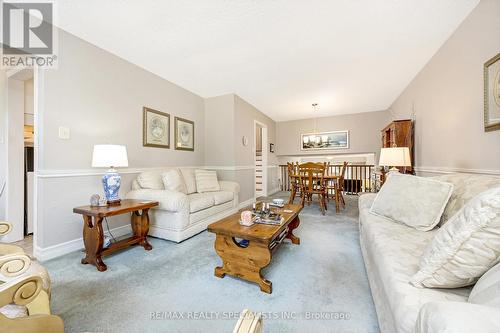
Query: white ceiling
point(280, 55)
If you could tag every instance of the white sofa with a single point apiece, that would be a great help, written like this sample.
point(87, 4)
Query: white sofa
point(180, 216)
point(391, 253)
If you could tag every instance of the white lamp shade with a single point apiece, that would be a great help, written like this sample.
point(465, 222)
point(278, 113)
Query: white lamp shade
point(395, 157)
point(106, 156)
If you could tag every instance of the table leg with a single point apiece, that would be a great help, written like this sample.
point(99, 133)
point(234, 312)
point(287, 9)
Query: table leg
point(291, 227)
point(140, 227)
point(243, 262)
point(93, 239)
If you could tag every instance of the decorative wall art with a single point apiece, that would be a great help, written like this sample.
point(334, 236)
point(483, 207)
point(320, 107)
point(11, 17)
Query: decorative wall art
point(156, 128)
point(324, 140)
point(184, 134)
point(492, 94)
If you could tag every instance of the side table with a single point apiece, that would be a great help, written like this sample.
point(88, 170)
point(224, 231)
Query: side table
point(93, 235)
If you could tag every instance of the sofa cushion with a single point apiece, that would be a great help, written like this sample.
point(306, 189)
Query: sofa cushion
point(189, 179)
point(457, 317)
point(173, 181)
point(150, 180)
point(465, 247)
point(487, 289)
point(206, 181)
point(221, 197)
point(417, 202)
point(391, 252)
point(200, 201)
point(465, 187)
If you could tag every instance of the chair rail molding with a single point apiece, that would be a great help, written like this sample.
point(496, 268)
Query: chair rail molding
point(447, 170)
point(93, 172)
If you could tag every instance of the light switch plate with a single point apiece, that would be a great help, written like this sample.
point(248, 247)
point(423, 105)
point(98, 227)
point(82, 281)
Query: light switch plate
point(64, 133)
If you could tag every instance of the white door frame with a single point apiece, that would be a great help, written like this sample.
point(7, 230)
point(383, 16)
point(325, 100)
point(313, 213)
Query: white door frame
point(14, 190)
point(264, 155)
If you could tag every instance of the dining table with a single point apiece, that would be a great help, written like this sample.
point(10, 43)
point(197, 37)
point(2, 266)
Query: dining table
point(326, 179)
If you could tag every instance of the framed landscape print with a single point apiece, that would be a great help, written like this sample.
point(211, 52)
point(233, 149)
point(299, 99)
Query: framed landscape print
point(492, 94)
point(324, 140)
point(184, 134)
point(156, 128)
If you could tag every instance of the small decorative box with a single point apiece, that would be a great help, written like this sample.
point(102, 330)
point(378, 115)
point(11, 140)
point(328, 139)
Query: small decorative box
point(246, 218)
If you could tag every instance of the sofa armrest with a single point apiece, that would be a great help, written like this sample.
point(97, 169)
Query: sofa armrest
point(168, 200)
point(229, 186)
point(457, 317)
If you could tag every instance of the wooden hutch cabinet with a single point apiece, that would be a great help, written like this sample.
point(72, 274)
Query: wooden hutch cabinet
point(399, 133)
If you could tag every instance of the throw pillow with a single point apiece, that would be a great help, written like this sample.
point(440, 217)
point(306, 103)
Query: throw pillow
point(173, 181)
point(189, 179)
point(487, 289)
point(465, 247)
point(415, 201)
point(465, 187)
point(150, 180)
point(206, 181)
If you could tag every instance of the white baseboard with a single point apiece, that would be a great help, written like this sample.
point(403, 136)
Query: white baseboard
point(47, 253)
point(246, 203)
point(447, 170)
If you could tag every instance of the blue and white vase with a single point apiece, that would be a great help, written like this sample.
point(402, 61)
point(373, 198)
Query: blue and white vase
point(111, 182)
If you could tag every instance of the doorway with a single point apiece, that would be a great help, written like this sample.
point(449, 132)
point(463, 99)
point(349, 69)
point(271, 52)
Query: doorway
point(260, 158)
point(21, 151)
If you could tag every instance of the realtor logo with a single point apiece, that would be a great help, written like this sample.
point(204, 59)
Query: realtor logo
point(28, 34)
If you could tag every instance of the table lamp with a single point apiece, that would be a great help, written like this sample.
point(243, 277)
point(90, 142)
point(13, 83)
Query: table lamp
point(395, 157)
point(110, 156)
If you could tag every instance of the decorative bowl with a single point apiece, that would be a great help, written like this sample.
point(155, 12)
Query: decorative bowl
point(279, 201)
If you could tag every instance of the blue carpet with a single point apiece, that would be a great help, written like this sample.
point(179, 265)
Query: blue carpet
point(318, 286)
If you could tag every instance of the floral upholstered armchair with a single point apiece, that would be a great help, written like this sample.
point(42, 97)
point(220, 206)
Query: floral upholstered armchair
point(24, 292)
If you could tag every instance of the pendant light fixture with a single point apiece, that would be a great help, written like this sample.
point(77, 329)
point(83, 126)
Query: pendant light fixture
point(314, 138)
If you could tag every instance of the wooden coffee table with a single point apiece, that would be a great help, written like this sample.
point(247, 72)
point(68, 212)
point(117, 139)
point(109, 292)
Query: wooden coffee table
point(93, 235)
point(247, 262)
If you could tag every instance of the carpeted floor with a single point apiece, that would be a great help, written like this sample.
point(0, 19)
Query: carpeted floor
point(319, 286)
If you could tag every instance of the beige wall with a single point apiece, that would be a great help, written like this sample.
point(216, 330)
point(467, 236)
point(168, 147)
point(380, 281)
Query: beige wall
point(447, 98)
point(364, 133)
point(219, 135)
point(229, 118)
point(100, 97)
point(28, 102)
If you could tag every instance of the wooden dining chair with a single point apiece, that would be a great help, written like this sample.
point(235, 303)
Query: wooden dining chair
point(339, 188)
point(311, 181)
point(294, 181)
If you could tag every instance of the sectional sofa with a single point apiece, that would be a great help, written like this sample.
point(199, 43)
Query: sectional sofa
point(391, 253)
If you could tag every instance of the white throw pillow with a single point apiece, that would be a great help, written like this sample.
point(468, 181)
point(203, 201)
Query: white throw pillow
point(206, 181)
point(465, 247)
point(487, 289)
point(415, 201)
point(189, 179)
point(173, 181)
point(150, 180)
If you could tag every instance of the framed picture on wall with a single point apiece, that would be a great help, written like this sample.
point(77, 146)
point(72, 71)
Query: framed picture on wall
point(156, 128)
point(325, 140)
point(492, 94)
point(184, 134)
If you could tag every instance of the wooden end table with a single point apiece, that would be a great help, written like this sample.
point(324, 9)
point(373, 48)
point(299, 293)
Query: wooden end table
point(93, 235)
point(247, 262)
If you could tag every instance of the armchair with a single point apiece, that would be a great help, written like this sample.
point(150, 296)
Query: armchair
point(16, 314)
point(15, 263)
